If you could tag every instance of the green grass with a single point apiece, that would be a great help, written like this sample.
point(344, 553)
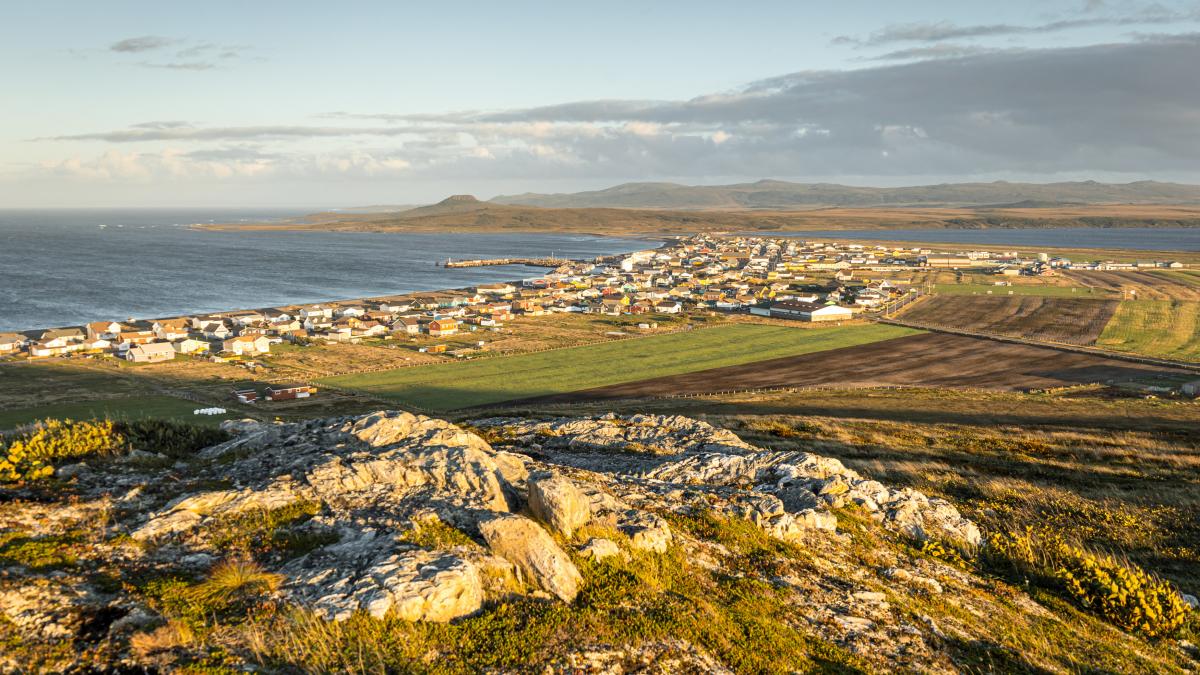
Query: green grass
point(132, 408)
point(1164, 328)
point(460, 385)
point(1024, 289)
point(1184, 277)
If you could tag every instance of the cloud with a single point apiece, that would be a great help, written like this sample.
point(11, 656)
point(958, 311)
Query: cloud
point(1153, 14)
point(1130, 107)
point(937, 51)
point(188, 54)
point(144, 43)
point(180, 65)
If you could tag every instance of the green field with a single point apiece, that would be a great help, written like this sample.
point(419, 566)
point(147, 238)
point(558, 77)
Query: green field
point(459, 385)
point(1023, 289)
point(1185, 277)
point(1168, 329)
point(141, 407)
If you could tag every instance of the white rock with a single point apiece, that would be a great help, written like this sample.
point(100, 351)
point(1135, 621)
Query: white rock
point(559, 504)
point(527, 545)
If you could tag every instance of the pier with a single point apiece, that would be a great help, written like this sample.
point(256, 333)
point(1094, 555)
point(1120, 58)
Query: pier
point(488, 262)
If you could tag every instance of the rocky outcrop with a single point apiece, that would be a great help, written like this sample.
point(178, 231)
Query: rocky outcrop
point(556, 501)
point(406, 516)
point(694, 453)
point(368, 573)
point(528, 546)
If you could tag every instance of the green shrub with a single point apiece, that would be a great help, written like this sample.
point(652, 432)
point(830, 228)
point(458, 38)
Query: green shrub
point(32, 455)
point(230, 591)
point(1119, 591)
point(174, 439)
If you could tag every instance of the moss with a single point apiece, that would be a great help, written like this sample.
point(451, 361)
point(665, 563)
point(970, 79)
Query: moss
point(432, 533)
point(267, 532)
point(40, 554)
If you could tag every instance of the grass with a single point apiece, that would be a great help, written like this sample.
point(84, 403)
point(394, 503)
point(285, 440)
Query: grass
point(131, 408)
point(747, 624)
point(1023, 289)
point(485, 381)
point(1164, 328)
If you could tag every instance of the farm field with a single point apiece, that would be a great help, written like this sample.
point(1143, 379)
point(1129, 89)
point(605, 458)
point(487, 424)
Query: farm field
point(1076, 321)
point(139, 407)
point(460, 385)
point(921, 360)
point(1165, 328)
point(1040, 290)
point(1151, 285)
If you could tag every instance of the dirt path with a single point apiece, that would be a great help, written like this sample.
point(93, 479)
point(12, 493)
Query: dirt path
point(931, 359)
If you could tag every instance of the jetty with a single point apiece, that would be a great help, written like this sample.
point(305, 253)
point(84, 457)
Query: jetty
point(488, 262)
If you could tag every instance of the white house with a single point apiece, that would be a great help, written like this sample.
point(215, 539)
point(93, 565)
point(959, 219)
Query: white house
point(11, 342)
point(150, 353)
point(190, 346)
point(247, 344)
point(106, 330)
point(216, 331)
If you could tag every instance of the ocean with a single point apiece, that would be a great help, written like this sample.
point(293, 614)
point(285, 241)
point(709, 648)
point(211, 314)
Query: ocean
point(69, 267)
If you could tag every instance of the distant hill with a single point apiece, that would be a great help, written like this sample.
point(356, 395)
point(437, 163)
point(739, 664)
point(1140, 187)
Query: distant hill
point(782, 195)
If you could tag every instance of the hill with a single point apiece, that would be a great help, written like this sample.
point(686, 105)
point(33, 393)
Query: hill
point(464, 213)
point(394, 542)
point(775, 194)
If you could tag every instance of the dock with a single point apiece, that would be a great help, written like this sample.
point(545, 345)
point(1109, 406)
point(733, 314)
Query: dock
point(488, 262)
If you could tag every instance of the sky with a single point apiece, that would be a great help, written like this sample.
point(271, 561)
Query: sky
point(318, 105)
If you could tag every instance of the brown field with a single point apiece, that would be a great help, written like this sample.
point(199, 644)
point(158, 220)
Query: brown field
point(927, 360)
point(1067, 320)
point(1145, 285)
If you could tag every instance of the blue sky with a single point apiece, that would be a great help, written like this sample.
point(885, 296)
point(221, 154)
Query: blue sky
point(317, 104)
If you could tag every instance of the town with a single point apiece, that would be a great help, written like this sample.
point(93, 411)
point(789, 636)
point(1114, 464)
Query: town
point(773, 277)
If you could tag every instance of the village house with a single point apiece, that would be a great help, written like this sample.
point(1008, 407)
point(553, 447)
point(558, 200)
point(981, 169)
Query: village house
point(150, 353)
point(61, 336)
point(105, 330)
point(10, 343)
point(216, 330)
point(170, 329)
point(190, 346)
point(404, 326)
point(442, 327)
point(288, 392)
point(806, 311)
point(128, 339)
point(247, 345)
point(95, 345)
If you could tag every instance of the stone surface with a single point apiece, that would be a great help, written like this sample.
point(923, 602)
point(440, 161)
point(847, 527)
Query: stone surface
point(598, 548)
point(530, 547)
point(556, 501)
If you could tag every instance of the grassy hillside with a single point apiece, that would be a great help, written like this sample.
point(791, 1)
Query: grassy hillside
point(1164, 328)
point(460, 385)
point(463, 213)
point(775, 194)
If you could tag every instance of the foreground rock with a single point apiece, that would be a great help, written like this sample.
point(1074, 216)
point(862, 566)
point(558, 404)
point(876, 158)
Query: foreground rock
point(532, 549)
point(399, 515)
point(690, 452)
